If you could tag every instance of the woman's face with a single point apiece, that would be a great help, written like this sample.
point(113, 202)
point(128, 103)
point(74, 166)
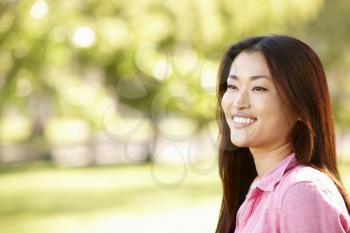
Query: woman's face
point(255, 113)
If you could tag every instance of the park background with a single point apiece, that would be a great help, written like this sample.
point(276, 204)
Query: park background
point(107, 107)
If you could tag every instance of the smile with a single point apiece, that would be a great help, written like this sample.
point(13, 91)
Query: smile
point(240, 122)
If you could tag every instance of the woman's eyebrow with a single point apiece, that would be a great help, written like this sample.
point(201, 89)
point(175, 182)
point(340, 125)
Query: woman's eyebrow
point(252, 78)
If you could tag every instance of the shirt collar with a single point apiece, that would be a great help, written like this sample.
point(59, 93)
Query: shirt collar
point(274, 176)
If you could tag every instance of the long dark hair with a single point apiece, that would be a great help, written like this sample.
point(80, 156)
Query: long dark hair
point(297, 73)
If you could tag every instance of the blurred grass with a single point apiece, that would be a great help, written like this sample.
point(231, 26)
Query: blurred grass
point(39, 197)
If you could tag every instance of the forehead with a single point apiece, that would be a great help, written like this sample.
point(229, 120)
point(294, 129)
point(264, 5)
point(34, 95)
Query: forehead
point(247, 64)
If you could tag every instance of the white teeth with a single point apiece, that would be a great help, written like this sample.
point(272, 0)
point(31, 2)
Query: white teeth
point(243, 120)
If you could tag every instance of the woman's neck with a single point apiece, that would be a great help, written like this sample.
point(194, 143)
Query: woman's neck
point(266, 159)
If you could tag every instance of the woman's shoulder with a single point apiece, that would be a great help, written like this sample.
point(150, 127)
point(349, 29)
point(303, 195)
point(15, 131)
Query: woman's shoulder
point(304, 192)
point(308, 181)
point(302, 173)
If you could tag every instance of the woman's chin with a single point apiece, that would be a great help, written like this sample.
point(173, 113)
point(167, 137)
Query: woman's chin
point(239, 142)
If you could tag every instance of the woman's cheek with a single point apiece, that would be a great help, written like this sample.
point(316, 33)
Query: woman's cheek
point(225, 102)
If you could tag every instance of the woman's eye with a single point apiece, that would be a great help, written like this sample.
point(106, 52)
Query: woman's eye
point(259, 89)
point(233, 87)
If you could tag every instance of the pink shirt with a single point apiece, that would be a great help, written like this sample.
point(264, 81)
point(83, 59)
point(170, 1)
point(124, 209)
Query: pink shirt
point(292, 198)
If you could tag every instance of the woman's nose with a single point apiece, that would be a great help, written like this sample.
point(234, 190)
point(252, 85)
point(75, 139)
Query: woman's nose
point(241, 101)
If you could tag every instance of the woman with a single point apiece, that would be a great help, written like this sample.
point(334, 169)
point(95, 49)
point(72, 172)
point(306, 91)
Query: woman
point(277, 157)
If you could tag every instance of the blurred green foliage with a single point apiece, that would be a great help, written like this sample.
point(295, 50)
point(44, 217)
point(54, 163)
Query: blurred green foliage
point(98, 63)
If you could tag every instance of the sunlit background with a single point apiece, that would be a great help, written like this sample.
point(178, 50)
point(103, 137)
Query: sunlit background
point(107, 107)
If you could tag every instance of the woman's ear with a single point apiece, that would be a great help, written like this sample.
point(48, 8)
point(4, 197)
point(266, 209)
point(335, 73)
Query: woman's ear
point(300, 119)
point(298, 116)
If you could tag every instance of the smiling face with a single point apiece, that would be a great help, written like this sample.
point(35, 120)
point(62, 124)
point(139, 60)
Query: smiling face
point(255, 113)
